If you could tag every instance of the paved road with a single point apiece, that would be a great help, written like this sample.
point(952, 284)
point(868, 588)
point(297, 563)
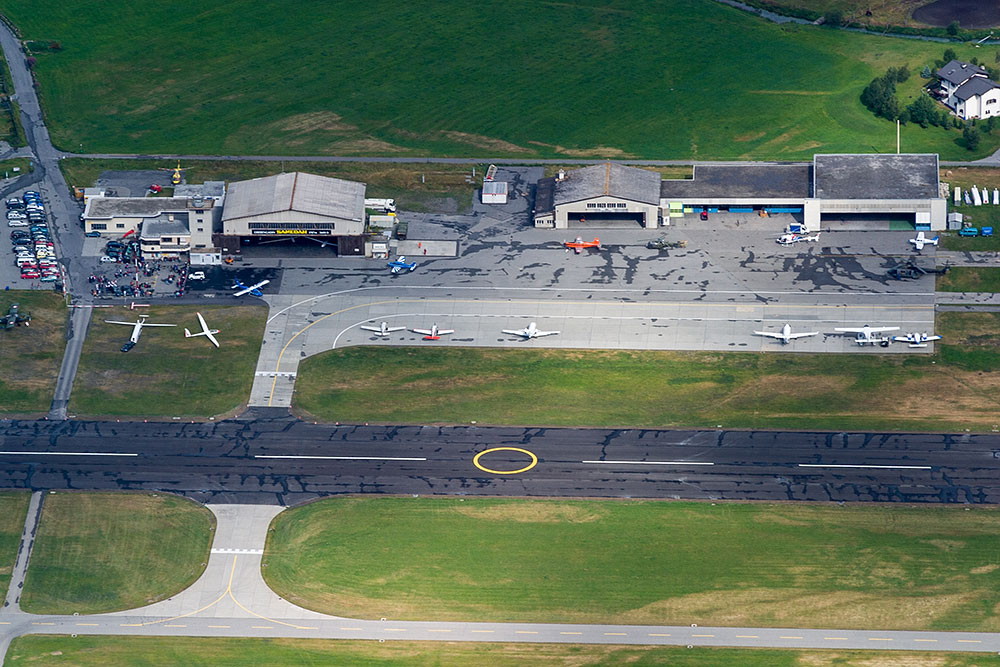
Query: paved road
point(284, 461)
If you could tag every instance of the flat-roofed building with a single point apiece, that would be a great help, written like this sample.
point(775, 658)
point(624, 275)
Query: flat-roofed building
point(117, 216)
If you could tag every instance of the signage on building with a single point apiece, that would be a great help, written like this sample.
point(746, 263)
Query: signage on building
point(291, 232)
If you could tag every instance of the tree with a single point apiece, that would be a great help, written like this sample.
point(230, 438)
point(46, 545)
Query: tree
point(923, 111)
point(952, 28)
point(971, 136)
point(925, 73)
point(833, 18)
point(991, 124)
point(949, 55)
point(879, 97)
point(902, 74)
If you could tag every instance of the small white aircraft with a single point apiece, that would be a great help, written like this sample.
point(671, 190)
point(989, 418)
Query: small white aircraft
point(205, 331)
point(433, 333)
point(916, 339)
point(136, 330)
point(249, 289)
point(866, 335)
point(922, 240)
point(789, 239)
point(786, 335)
point(383, 329)
point(531, 332)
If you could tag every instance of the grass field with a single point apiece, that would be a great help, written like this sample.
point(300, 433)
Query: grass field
point(166, 374)
point(641, 562)
point(666, 389)
point(579, 79)
point(976, 216)
point(13, 508)
point(10, 113)
point(100, 552)
point(7, 167)
point(30, 356)
point(98, 651)
point(970, 279)
point(415, 187)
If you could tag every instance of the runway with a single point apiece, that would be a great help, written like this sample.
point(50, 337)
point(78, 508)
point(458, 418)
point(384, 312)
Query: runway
point(285, 462)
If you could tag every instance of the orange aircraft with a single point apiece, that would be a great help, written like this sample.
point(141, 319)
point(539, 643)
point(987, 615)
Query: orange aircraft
point(579, 244)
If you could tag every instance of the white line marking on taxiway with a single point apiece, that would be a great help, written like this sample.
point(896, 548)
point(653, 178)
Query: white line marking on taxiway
point(654, 463)
point(68, 453)
point(340, 458)
point(836, 465)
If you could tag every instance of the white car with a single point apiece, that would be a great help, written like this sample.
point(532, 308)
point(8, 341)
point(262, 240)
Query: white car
point(196, 275)
point(105, 259)
point(16, 215)
point(17, 223)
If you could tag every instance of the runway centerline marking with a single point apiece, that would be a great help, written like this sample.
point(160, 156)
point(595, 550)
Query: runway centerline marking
point(68, 453)
point(341, 458)
point(532, 464)
point(654, 463)
point(877, 467)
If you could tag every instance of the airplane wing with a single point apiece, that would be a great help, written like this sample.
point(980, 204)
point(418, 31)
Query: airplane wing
point(201, 321)
point(803, 334)
point(131, 324)
point(375, 329)
point(208, 334)
point(517, 332)
point(769, 334)
point(882, 329)
point(426, 332)
point(243, 291)
point(442, 332)
point(545, 333)
point(155, 325)
point(396, 329)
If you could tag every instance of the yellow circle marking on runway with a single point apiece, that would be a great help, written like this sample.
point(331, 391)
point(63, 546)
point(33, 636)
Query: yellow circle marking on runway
point(534, 461)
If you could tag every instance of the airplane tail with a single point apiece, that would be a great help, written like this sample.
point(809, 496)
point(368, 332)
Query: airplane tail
point(187, 334)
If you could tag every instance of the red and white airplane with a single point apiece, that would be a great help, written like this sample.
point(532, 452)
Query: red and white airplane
point(205, 331)
point(433, 333)
point(579, 244)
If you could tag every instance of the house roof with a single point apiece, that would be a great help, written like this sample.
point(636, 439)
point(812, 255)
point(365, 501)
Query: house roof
point(957, 72)
point(545, 193)
point(136, 207)
point(975, 86)
point(162, 225)
point(297, 191)
point(608, 179)
point(206, 189)
point(905, 176)
point(740, 181)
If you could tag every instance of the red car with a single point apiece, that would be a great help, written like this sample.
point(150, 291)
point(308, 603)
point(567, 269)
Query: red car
point(27, 275)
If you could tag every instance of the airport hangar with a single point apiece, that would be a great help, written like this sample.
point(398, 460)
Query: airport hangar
point(832, 188)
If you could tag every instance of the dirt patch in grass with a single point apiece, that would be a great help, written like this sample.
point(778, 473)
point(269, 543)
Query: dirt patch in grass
point(750, 136)
point(984, 569)
point(543, 512)
point(485, 143)
point(316, 120)
point(796, 607)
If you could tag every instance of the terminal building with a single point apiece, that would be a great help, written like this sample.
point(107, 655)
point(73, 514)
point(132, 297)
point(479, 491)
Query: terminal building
point(167, 227)
point(833, 189)
point(295, 205)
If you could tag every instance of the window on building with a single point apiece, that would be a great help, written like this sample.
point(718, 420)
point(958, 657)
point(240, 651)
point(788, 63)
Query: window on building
point(201, 229)
point(98, 225)
point(120, 225)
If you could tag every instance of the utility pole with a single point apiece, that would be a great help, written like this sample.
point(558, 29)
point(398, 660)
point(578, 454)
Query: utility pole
point(897, 136)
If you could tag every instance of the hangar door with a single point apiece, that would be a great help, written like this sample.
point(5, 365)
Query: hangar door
point(609, 219)
point(868, 221)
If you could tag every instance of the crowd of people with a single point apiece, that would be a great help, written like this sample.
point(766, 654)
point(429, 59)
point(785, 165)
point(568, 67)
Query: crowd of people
point(127, 280)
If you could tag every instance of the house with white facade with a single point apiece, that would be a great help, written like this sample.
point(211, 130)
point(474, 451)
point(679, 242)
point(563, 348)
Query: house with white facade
point(968, 90)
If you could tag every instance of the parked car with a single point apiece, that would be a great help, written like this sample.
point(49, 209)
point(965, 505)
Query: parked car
point(196, 275)
point(94, 234)
point(17, 223)
point(969, 231)
point(987, 231)
point(106, 259)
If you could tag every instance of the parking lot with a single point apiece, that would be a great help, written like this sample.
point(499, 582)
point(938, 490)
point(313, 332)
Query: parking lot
point(29, 260)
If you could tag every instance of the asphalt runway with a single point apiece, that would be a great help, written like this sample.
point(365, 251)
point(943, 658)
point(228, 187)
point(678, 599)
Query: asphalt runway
point(284, 461)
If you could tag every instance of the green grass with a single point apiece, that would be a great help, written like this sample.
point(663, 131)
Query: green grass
point(970, 279)
point(166, 374)
point(415, 187)
point(30, 356)
point(101, 552)
point(976, 216)
point(11, 130)
point(579, 78)
point(13, 509)
point(7, 167)
point(641, 562)
point(666, 389)
point(98, 651)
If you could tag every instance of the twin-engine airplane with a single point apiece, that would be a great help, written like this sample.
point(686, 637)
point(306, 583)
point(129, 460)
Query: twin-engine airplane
point(252, 290)
point(433, 333)
point(579, 244)
point(205, 331)
point(531, 332)
point(383, 329)
point(922, 240)
point(786, 335)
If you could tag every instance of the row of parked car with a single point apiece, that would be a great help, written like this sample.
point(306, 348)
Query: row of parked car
point(34, 251)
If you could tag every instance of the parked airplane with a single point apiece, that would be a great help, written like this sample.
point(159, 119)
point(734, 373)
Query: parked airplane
point(579, 244)
point(400, 263)
point(786, 335)
point(531, 332)
point(916, 339)
point(205, 331)
point(383, 329)
point(136, 330)
point(922, 240)
point(865, 335)
point(253, 290)
point(14, 316)
point(789, 239)
point(433, 333)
